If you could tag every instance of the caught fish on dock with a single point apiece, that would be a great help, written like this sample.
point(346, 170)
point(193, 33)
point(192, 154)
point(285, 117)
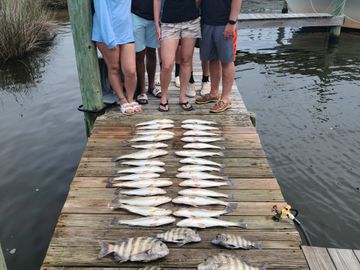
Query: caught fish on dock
point(198, 121)
point(152, 138)
point(196, 183)
point(200, 161)
point(155, 122)
point(200, 175)
point(143, 201)
point(143, 210)
point(199, 168)
point(150, 268)
point(148, 191)
point(150, 221)
point(223, 261)
point(144, 154)
point(162, 182)
point(145, 169)
point(180, 236)
point(201, 139)
point(155, 126)
point(146, 162)
point(200, 133)
point(140, 249)
point(198, 127)
point(197, 153)
point(199, 222)
point(200, 201)
point(149, 146)
point(154, 132)
point(233, 241)
point(136, 177)
point(202, 146)
point(205, 213)
point(202, 193)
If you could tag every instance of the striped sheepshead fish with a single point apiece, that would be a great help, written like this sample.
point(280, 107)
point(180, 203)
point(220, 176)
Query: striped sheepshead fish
point(139, 249)
point(180, 236)
point(233, 241)
point(223, 261)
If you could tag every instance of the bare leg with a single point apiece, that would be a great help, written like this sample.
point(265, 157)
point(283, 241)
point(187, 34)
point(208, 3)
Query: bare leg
point(228, 75)
point(151, 66)
point(140, 70)
point(168, 52)
point(187, 51)
point(205, 68)
point(128, 65)
point(215, 75)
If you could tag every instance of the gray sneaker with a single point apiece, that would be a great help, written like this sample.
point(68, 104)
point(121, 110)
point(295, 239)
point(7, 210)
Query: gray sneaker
point(191, 91)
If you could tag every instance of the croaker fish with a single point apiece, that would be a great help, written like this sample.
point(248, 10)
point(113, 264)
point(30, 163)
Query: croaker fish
point(145, 169)
point(201, 139)
point(149, 145)
point(152, 138)
point(150, 221)
point(200, 175)
point(136, 177)
point(155, 132)
point(142, 163)
point(155, 126)
point(197, 153)
point(155, 122)
point(199, 222)
point(198, 127)
point(163, 182)
point(143, 201)
point(202, 193)
point(199, 168)
point(199, 201)
point(200, 133)
point(200, 161)
point(180, 236)
point(198, 121)
point(233, 241)
point(140, 249)
point(148, 191)
point(204, 183)
point(143, 210)
point(223, 261)
point(198, 212)
point(202, 146)
point(144, 154)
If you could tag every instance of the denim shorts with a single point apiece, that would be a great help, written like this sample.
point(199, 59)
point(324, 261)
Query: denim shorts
point(144, 33)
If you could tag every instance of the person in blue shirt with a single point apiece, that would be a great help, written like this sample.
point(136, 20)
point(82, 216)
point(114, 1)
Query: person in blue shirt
point(113, 33)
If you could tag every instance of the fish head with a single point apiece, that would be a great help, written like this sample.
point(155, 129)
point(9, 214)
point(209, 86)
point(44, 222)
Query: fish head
point(219, 239)
point(207, 265)
point(194, 236)
point(160, 249)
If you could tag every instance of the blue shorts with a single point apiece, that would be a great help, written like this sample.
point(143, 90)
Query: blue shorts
point(144, 33)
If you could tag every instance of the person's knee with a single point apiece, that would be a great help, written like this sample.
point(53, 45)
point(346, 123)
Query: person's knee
point(114, 68)
point(130, 73)
point(167, 67)
point(186, 60)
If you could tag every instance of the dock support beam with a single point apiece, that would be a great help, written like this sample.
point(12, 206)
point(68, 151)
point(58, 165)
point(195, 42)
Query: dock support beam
point(335, 31)
point(2, 260)
point(86, 58)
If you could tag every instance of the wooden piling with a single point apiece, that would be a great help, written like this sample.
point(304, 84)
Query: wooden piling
point(335, 31)
point(86, 57)
point(2, 260)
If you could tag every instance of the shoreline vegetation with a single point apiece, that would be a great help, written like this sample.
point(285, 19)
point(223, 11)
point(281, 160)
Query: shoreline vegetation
point(26, 26)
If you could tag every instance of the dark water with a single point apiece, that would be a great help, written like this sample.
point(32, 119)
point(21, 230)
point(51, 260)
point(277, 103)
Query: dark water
point(307, 101)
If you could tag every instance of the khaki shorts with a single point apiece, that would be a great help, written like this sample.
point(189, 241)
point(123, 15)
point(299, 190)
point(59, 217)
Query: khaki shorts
point(189, 29)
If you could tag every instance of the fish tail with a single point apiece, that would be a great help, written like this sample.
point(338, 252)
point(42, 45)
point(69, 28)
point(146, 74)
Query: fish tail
point(105, 249)
point(229, 182)
point(257, 245)
point(117, 191)
point(231, 197)
point(226, 178)
point(115, 159)
point(220, 154)
point(110, 183)
point(221, 170)
point(231, 207)
point(241, 224)
point(125, 143)
point(222, 148)
point(114, 221)
point(263, 267)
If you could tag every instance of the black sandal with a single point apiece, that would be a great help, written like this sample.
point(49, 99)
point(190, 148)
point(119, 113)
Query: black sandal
point(185, 107)
point(164, 105)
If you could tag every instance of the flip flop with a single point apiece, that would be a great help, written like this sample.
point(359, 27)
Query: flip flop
point(185, 107)
point(164, 105)
point(142, 99)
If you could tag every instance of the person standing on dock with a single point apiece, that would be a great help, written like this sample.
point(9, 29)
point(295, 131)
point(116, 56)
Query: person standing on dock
point(113, 33)
point(146, 44)
point(180, 21)
point(219, 28)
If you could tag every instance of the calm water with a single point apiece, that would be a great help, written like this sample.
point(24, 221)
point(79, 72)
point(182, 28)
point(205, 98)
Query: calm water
point(307, 100)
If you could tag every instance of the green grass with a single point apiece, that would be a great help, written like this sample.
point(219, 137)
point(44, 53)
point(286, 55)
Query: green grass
point(25, 26)
point(55, 4)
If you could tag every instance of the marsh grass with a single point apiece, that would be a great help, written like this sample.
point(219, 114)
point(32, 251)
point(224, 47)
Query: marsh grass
point(25, 27)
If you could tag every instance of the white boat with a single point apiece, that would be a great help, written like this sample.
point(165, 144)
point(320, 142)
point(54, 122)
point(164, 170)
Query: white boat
point(352, 9)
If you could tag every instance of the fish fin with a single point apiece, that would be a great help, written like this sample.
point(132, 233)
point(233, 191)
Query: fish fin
point(125, 143)
point(230, 182)
point(241, 224)
point(257, 245)
point(119, 259)
point(122, 240)
point(180, 244)
point(110, 183)
point(105, 249)
point(231, 197)
point(114, 221)
point(230, 207)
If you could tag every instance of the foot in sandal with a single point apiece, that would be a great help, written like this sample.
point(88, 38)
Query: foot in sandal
point(186, 106)
point(136, 107)
point(156, 92)
point(126, 109)
point(142, 99)
point(220, 106)
point(164, 107)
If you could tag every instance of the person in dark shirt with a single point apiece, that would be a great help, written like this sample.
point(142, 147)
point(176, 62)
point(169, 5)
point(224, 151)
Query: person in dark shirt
point(219, 30)
point(180, 20)
point(146, 44)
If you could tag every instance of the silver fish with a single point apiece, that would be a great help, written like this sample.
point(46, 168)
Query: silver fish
point(198, 121)
point(136, 177)
point(148, 191)
point(199, 168)
point(143, 210)
point(198, 212)
point(201, 139)
point(202, 146)
point(180, 236)
point(198, 201)
point(163, 182)
point(200, 175)
point(143, 249)
point(199, 222)
point(152, 138)
point(149, 145)
point(204, 183)
point(155, 122)
point(145, 169)
point(155, 132)
point(224, 261)
point(143, 201)
point(198, 127)
point(151, 221)
point(155, 126)
point(197, 153)
point(146, 162)
point(202, 193)
point(200, 161)
point(144, 154)
point(200, 133)
point(233, 241)
point(150, 268)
